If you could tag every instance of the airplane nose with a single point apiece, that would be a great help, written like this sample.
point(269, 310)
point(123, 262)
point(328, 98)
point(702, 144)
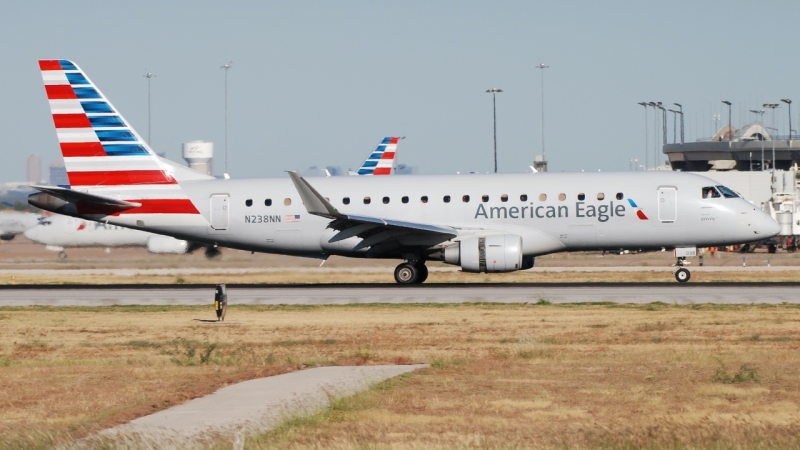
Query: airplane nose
point(770, 227)
point(31, 233)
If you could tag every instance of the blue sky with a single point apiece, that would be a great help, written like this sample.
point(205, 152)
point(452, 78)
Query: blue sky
point(320, 83)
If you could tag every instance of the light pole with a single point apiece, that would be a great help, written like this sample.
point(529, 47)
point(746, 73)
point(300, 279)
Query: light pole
point(494, 92)
point(773, 147)
point(655, 129)
point(226, 67)
point(761, 113)
point(633, 164)
point(664, 132)
point(149, 76)
point(716, 120)
point(680, 111)
point(730, 128)
point(542, 67)
point(646, 137)
point(772, 106)
point(674, 121)
point(789, 102)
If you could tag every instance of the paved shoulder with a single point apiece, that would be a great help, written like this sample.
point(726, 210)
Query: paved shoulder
point(246, 407)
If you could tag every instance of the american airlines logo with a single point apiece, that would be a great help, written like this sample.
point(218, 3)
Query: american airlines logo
point(602, 212)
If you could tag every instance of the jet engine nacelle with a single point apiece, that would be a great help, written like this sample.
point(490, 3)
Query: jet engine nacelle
point(166, 244)
point(493, 253)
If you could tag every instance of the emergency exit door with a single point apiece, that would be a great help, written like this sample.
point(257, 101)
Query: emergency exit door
point(667, 204)
point(220, 212)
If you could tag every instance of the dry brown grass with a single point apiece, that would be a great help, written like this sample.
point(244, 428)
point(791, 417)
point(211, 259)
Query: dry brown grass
point(355, 276)
point(502, 376)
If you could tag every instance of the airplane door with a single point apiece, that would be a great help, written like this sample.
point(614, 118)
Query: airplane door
point(220, 212)
point(667, 204)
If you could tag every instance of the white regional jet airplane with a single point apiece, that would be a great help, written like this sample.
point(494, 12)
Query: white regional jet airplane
point(58, 232)
point(481, 222)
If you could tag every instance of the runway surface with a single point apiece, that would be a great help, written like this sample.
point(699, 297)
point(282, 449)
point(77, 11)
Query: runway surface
point(723, 293)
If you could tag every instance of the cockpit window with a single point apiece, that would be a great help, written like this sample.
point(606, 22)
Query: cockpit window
point(710, 192)
point(728, 193)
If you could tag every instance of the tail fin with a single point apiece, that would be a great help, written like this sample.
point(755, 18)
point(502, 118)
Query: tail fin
point(99, 146)
point(381, 161)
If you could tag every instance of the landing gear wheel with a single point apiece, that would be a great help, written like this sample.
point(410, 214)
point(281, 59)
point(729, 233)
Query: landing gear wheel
point(423, 273)
point(62, 255)
point(406, 273)
point(683, 275)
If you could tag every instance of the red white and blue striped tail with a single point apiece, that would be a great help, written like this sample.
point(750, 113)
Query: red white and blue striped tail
point(381, 161)
point(102, 152)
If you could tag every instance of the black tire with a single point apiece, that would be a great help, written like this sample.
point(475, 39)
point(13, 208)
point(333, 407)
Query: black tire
point(423, 273)
point(406, 274)
point(62, 255)
point(683, 275)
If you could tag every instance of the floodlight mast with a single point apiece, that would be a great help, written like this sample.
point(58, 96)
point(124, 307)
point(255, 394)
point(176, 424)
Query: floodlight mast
point(789, 102)
point(149, 76)
point(226, 67)
point(542, 66)
point(761, 112)
point(646, 137)
point(730, 127)
point(494, 91)
point(680, 111)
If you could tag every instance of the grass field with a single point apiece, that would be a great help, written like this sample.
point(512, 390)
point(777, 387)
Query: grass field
point(501, 376)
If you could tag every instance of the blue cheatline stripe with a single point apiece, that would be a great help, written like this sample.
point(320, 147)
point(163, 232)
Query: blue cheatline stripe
point(365, 171)
point(370, 163)
point(86, 92)
point(96, 107)
point(106, 121)
point(124, 150)
point(66, 65)
point(385, 140)
point(632, 203)
point(381, 148)
point(77, 78)
point(114, 135)
point(376, 155)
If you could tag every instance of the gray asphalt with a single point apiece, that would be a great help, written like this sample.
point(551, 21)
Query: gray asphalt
point(240, 409)
point(730, 293)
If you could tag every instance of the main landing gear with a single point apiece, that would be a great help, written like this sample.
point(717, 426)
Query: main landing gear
point(682, 274)
point(412, 272)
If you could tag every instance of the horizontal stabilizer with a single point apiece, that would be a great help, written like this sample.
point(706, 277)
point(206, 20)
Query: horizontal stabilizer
point(73, 196)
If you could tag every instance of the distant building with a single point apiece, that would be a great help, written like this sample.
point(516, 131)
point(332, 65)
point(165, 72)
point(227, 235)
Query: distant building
point(58, 174)
point(33, 169)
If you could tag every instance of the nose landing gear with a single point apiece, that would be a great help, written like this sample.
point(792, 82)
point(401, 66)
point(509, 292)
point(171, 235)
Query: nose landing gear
point(682, 274)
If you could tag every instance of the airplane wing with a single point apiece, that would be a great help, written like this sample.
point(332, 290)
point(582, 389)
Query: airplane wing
point(86, 199)
point(374, 231)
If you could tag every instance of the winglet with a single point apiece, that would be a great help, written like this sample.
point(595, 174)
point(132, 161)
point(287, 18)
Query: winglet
point(313, 201)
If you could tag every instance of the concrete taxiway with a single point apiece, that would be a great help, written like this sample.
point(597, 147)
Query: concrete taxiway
point(723, 293)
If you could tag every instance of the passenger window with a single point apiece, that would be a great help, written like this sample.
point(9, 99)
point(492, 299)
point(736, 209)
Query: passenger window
point(503, 198)
point(562, 197)
point(346, 200)
point(710, 192)
point(601, 196)
point(287, 202)
point(424, 199)
point(248, 202)
point(446, 199)
point(620, 196)
point(367, 200)
point(268, 202)
point(465, 198)
point(485, 198)
point(581, 196)
point(385, 200)
point(404, 199)
point(523, 198)
point(542, 197)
